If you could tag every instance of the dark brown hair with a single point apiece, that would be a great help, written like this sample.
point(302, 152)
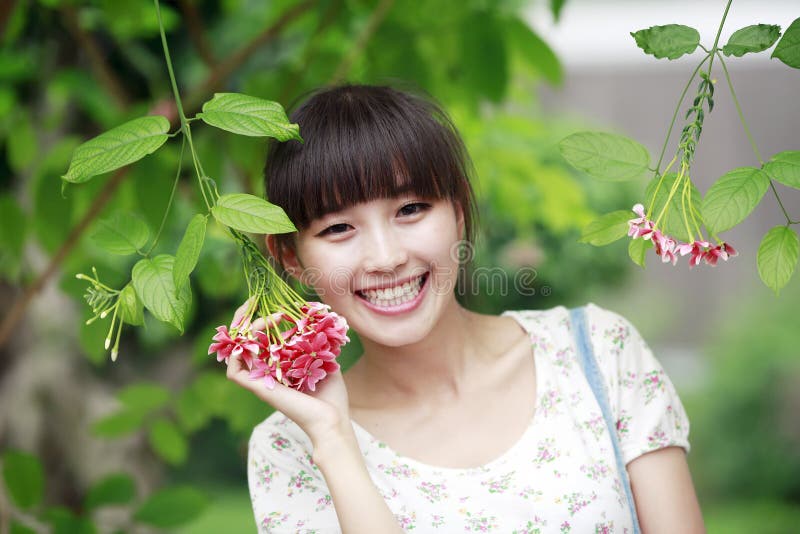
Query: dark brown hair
point(362, 143)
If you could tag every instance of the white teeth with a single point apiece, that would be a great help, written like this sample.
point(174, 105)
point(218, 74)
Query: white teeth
point(394, 295)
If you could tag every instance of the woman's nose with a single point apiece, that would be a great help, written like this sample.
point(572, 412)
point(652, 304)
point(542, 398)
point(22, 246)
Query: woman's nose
point(384, 251)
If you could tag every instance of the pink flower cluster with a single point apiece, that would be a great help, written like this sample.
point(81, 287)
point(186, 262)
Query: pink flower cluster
point(669, 248)
point(305, 355)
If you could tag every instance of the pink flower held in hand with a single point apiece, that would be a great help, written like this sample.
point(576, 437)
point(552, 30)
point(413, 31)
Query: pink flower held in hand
point(298, 355)
point(264, 369)
point(226, 346)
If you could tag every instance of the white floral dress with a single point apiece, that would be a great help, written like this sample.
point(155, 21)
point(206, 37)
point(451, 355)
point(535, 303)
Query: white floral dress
point(560, 476)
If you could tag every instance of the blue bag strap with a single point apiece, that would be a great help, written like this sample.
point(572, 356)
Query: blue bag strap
point(596, 382)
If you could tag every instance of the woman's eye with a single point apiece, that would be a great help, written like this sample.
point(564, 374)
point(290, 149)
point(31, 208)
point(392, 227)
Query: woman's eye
point(335, 229)
point(414, 207)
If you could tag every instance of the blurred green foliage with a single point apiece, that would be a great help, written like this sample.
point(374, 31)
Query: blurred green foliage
point(745, 428)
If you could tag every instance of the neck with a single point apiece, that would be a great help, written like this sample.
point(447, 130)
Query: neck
point(444, 365)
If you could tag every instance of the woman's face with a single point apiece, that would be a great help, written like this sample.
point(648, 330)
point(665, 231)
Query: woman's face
point(389, 266)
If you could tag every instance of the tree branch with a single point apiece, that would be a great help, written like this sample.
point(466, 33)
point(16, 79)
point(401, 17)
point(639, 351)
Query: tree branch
point(224, 69)
point(194, 25)
point(372, 26)
point(20, 304)
point(311, 49)
point(6, 9)
point(97, 61)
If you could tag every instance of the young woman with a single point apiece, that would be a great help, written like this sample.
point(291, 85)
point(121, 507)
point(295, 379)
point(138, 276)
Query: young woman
point(451, 420)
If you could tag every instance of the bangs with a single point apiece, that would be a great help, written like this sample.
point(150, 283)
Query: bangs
point(363, 143)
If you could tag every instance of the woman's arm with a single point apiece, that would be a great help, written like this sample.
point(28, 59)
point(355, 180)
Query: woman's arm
point(359, 506)
point(664, 494)
point(324, 416)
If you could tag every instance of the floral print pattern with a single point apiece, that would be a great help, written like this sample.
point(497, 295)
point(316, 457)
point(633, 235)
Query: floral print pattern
point(561, 476)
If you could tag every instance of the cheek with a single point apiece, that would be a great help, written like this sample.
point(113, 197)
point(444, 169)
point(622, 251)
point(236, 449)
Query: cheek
point(328, 270)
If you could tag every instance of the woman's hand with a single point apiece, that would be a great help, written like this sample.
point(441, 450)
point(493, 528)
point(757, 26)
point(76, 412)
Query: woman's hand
point(323, 414)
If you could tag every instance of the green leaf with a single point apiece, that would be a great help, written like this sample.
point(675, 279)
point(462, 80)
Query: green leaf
point(118, 424)
point(605, 156)
point(555, 8)
point(672, 222)
point(777, 257)
point(168, 442)
point(484, 61)
point(130, 307)
point(607, 229)
point(752, 39)
point(189, 250)
point(122, 233)
point(249, 213)
point(114, 489)
point(731, 199)
point(191, 409)
point(788, 49)
point(24, 478)
point(19, 528)
point(534, 50)
point(153, 281)
point(637, 250)
point(117, 147)
point(784, 167)
point(248, 115)
point(21, 143)
point(65, 521)
point(670, 41)
point(144, 397)
point(172, 507)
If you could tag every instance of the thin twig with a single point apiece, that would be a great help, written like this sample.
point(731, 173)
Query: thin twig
point(21, 304)
point(372, 26)
point(311, 49)
point(237, 59)
point(97, 60)
point(6, 9)
point(197, 34)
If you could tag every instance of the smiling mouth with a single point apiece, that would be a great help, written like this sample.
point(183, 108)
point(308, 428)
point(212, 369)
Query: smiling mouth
point(394, 296)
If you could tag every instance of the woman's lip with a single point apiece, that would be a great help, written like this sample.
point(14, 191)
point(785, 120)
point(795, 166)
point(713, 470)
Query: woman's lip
point(400, 308)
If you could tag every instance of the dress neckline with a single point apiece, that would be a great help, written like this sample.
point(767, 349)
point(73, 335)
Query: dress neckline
point(538, 359)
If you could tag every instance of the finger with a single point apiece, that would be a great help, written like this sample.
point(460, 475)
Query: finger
point(258, 324)
point(272, 320)
point(240, 312)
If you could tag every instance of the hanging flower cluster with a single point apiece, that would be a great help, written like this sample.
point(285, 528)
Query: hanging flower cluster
point(668, 248)
point(301, 340)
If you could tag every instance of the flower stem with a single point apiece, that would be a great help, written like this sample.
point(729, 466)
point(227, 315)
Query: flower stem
point(658, 186)
point(750, 136)
point(686, 187)
point(169, 203)
point(672, 190)
point(185, 128)
point(675, 114)
point(739, 109)
point(719, 31)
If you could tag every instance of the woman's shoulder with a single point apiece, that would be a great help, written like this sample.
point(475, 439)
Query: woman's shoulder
point(596, 316)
